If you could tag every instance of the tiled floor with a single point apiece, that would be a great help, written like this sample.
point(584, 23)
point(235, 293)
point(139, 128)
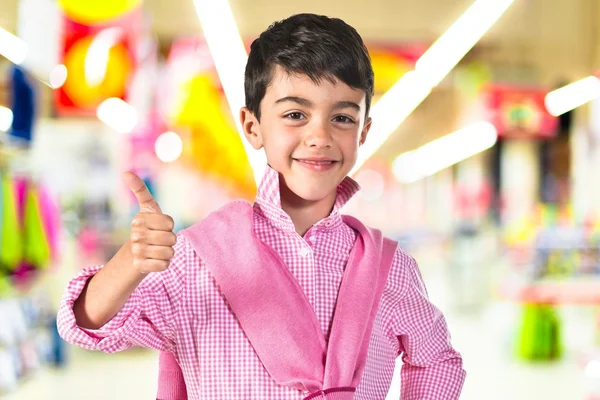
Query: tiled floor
point(94, 376)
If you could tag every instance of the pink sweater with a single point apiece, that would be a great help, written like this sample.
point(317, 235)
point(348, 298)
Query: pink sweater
point(274, 312)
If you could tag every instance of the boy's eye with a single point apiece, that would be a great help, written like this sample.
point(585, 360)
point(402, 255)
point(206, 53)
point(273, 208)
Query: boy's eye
point(294, 115)
point(343, 119)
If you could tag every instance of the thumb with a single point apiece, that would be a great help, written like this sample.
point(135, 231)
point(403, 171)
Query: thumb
point(141, 193)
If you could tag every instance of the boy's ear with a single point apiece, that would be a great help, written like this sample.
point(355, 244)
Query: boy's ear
point(251, 128)
point(365, 131)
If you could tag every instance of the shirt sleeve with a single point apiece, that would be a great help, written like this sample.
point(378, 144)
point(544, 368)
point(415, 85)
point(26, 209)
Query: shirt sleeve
point(432, 369)
point(147, 319)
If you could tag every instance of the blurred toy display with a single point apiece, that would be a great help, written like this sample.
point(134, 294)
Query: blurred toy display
point(29, 244)
point(555, 262)
point(29, 229)
point(28, 339)
point(567, 253)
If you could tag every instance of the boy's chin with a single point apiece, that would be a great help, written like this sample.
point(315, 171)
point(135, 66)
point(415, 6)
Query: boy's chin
point(314, 194)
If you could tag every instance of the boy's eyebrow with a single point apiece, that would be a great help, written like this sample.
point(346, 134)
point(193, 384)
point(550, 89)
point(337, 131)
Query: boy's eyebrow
point(307, 103)
point(297, 100)
point(346, 104)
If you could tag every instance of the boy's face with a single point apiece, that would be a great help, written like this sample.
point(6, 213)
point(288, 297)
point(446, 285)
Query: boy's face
point(310, 132)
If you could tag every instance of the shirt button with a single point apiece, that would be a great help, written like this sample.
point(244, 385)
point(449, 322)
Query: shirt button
point(328, 224)
point(304, 252)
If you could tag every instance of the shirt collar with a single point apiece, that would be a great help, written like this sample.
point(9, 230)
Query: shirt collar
point(268, 202)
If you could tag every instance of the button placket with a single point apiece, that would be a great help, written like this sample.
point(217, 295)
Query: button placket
point(304, 251)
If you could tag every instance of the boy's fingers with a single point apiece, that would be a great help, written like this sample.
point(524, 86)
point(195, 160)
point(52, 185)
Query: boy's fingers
point(159, 253)
point(141, 193)
point(160, 238)
point(153, 221)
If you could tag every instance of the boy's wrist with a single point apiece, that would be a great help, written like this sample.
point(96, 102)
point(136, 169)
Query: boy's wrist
point(124, 268)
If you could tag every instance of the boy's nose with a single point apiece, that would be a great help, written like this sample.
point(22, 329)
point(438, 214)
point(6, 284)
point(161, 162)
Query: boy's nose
point(318, 137)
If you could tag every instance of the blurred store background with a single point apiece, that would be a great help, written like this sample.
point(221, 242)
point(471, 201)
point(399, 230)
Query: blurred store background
point(483, 163)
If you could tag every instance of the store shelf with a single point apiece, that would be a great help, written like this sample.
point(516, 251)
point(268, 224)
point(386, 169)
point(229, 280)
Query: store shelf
point(572, 292)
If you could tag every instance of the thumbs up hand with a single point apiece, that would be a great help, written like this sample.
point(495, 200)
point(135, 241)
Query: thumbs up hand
point(152, 238)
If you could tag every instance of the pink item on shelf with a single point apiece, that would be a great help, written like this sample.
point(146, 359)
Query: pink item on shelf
point(89, 242)
point(21, 185)
point(29, 355)
point(24, 274)
point(50, 214)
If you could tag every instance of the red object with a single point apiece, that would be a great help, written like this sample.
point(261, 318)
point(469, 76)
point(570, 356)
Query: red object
point(392, 60)
point(76, 96)
point(519, 111)
point(406, 52)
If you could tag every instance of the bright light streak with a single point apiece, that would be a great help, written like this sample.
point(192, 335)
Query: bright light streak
point(410, 90)
point(444, 152)
point(230, 57)
point(572, 96)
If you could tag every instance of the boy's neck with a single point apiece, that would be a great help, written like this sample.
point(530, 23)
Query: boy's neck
point(305, 213)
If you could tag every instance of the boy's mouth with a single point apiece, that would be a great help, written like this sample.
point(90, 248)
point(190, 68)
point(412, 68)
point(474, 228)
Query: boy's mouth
point(315, 161)
point(316, 164)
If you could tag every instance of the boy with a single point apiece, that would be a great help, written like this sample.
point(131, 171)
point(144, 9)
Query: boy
point(285, 298)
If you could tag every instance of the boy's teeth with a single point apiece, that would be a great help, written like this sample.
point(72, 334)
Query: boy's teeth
point(317, 162)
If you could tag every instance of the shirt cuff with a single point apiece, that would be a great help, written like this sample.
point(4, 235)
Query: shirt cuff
point(437, 382)
point(108, 338)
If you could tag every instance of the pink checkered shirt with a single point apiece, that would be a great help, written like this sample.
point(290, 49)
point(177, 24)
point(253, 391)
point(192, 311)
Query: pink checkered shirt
point(181, 310)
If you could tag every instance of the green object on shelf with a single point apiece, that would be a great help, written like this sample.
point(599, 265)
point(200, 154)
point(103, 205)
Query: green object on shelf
point(540, 335)
point(549, 215)
point(36, 248)
point(6, 289)
point(11, 247)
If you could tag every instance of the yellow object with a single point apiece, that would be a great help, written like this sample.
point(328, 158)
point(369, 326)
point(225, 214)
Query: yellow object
point(388, 68)
point(520, 232)
point(214, 145)
point(118, 69)
point(90, 12)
